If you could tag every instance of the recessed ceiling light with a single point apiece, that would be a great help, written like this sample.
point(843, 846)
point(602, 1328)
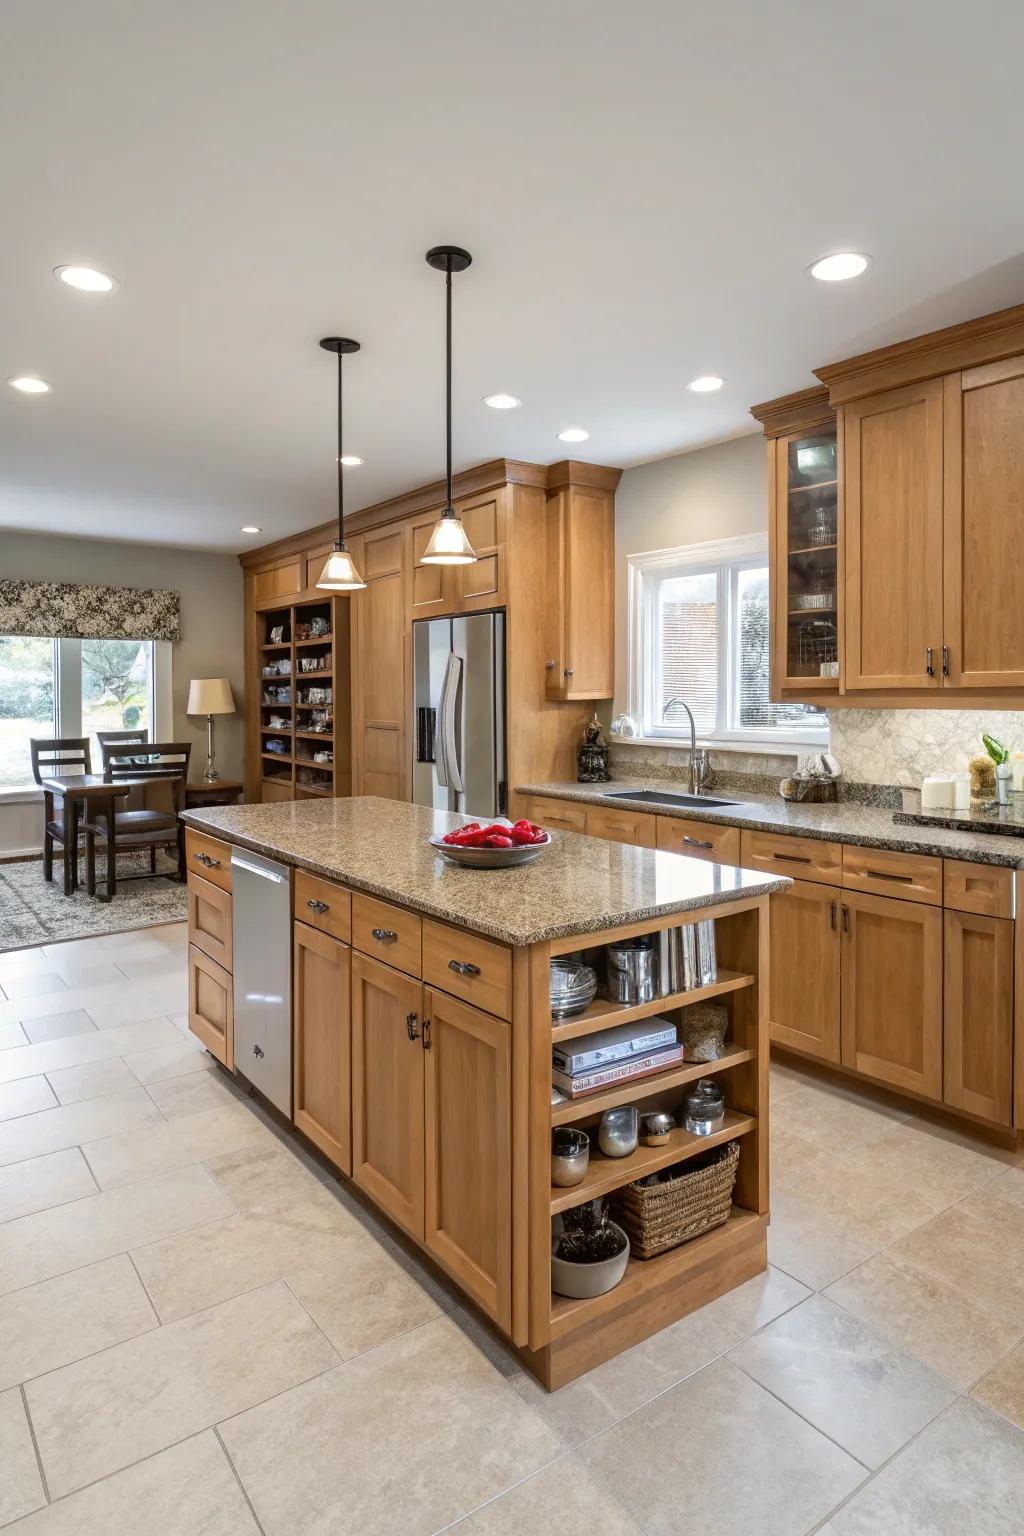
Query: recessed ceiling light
point(837, 268)
point(502, 402)
point(706, 384)
point(86, 278)
point(573, 435)
point(251, 528)
point(351, 460)
point(29, 385)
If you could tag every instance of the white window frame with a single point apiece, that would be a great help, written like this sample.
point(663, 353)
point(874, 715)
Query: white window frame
point(726, 557)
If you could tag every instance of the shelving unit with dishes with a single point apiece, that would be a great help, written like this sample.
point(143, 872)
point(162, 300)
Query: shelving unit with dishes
point(654, 1291)
point(303, 737)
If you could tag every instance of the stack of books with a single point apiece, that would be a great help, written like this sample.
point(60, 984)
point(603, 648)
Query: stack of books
point(614, 1056)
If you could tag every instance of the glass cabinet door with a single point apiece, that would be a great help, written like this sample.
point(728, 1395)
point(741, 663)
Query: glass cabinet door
point(807, 567)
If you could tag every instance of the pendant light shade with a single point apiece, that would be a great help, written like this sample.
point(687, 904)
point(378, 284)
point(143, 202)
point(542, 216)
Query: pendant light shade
point(339, 573)
point(449, 542)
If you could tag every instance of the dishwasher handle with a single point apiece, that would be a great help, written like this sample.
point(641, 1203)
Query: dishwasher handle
point(254, 869)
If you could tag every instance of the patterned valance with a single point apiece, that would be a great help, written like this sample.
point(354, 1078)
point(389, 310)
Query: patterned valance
point(64, 610)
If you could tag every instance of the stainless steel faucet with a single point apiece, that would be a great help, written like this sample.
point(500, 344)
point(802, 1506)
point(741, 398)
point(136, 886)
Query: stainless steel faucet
point(698, 768)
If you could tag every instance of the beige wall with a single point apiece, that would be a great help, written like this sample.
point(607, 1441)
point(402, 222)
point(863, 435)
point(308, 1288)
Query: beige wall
point(211, 644)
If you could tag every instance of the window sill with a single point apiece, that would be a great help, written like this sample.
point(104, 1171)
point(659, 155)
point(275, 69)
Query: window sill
point(784, 748)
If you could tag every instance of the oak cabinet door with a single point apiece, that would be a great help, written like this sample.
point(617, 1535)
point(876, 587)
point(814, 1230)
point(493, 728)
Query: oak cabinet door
point(978, 1013)
point(431, 587)
point(891, 1014)
point(580, 597)
point(636, 827)
point(211, 1011)
point(984, 526)
point(893, 514)
point(707, 840)
point(481, 585)
point(387, 1090)
point(803, 992)
point(322, 1046)
point(378, 670)
point(468, 1151)
point(209, 919)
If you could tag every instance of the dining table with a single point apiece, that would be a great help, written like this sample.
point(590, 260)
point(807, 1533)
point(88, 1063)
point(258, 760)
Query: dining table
point(77, 790)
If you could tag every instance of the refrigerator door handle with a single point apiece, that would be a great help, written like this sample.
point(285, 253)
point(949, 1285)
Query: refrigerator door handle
point(449, 750)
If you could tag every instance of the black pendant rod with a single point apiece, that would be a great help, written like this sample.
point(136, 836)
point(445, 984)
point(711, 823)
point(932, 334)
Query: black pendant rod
point(448, 259)
point(341, 345)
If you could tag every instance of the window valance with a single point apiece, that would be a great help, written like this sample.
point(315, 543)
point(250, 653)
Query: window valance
point(62, 610)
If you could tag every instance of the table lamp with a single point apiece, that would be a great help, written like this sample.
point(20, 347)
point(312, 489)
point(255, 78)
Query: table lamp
point(210, 696)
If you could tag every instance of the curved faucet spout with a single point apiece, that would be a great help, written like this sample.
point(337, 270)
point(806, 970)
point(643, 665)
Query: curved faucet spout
point(694, 778)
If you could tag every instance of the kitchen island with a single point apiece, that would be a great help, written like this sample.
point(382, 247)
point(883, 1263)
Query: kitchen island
point(421, 1050)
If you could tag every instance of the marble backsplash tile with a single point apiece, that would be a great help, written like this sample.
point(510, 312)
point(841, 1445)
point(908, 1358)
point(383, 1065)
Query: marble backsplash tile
point(900, 746)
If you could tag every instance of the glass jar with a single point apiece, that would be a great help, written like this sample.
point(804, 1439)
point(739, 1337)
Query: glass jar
point(704, 1108)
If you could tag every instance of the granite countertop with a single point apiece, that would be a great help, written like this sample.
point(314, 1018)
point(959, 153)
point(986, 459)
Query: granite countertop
point(579, 885)
point(869, 826)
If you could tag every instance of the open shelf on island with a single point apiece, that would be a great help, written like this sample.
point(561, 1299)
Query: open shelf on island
point(607, 1173)
point(605, 1014)
point(574, 1110)
point(646, 1275)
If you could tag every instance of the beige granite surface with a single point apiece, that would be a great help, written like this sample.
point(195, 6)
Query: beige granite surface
point(578, 885)
point(870, 826)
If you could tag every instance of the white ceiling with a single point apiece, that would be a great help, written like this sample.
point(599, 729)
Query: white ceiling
point(641, 185)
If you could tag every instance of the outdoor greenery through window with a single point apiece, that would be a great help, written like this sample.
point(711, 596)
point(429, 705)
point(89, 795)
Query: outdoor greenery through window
point(69, 688)
point(700, 635)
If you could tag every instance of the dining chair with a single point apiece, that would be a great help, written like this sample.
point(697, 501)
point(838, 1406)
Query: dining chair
point(52, 756)
point(144, 829)
point(117, 739)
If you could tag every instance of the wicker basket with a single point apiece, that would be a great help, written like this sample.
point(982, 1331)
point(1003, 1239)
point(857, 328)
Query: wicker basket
point(660, 1216)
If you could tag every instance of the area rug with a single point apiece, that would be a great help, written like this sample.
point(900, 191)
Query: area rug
point(33, 911)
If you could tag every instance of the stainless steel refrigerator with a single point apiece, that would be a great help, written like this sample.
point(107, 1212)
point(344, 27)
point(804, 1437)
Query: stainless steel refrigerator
point(459, 721)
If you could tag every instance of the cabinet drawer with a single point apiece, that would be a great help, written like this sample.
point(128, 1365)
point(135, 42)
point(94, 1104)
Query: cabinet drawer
point(468, 967)
point(635, 827)
point(805, 858)
point(209, 857)
point(982, 888)
point(209, 919)
point(211, 1016)
point(907, 876)
point(699, 839)
point(557, 815)
point(323, 905)
point(387, 933)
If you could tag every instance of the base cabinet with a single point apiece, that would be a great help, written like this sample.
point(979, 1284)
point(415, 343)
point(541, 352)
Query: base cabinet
point(892, 991)
point(322, 1042)
point(211, 1006)
point(978, 1009)
point(803, 995)
point(387, 1090)
point(468, 1150)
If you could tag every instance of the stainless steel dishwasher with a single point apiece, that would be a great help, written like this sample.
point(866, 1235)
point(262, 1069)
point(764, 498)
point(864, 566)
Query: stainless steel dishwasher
point(261, 937)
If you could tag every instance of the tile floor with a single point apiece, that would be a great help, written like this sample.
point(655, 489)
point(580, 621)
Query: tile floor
point(203, 1334)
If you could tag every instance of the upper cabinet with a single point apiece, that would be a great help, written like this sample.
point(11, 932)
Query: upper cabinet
point(928, 553)
point(579, 608)
point(439, 590)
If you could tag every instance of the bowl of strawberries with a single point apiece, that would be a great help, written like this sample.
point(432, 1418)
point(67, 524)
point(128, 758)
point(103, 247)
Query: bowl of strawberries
point(493, 844)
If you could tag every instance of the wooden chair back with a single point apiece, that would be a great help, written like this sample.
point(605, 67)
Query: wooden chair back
point(164, 760)
point(120, 738)
point(55, 755)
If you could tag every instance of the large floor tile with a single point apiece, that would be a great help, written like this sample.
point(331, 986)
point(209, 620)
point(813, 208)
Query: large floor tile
point(619, 1386)
point(73, 1124)
point(188, 1490)
point(1003, 1387)
point(964, 1473)
point(429, 1430)
point(362, 1297)
point(193, 1093)
point(719, 1453)
point(33, 984)
point(811, 1244)
point(741, 1312)
point(977, 1247)
point(837, 1118)
point(11, 1035)
point(107, 1411)
point(864, 1393)
point(136, 1000)
point(938, 1322)
point(41, 1182)
point(30, 1060)
point(57, 1321)
point(51, 1242)
point(13, 961)
point(58, 1026)
point(790, 1155)
point(563, 1498)
point(25, 1096)
point(87, 971)
point(94, 1080)
point(268, 1179)
point(157, 1147)
point(176, 1056)
point(21, 1487)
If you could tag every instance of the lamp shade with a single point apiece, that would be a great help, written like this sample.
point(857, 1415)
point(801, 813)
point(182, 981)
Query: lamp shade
point(449, 544)
point(210, 696)
point(339, 573)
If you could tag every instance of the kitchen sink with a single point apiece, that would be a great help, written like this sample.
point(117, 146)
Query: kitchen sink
point(666, 797)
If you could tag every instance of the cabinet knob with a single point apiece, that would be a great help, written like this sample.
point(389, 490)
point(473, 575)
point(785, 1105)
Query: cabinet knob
point(549, 666)
point(463, 968)
point(317, 906)
point(384, 935)
point(569, 672)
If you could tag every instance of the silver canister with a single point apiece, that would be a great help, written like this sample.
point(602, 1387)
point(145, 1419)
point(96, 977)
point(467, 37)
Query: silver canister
point(618, 1134)
point(632, 973)
point(570, 1156)
point(670, 961)
point(707, 958)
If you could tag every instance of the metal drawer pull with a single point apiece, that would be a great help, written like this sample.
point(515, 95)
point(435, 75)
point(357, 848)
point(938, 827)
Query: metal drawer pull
point(204, 858)
point(384, 935)
point(426, 1034)
point(695, 842)
point(945, 661)
point(463, 968)
point(832, 920)
point(317, 906)
point(929, 661)
point(885, 874)
point(793, 858)
point(410, 1024)
point(846, 918)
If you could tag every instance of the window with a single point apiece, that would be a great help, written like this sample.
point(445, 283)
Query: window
point(699, 634)
point(71, 688)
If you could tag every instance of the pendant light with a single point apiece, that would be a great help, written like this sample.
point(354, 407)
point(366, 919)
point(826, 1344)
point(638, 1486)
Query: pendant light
point(339, 573)
point(449, 543)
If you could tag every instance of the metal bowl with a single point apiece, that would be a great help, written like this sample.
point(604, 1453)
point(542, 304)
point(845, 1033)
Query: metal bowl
point(573, 988)
point(489, 858)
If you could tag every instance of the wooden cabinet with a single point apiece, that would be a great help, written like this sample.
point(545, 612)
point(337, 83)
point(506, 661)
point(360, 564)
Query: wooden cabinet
point(983, 539)
point(804, 514)
point(803, 995)
point(209, 857)
point(468, 1209)
point(388, 933)
point(892, 991)
point(209, 920)
point(905, 876)
point(323, 904)
point(983, 888)
point(580, 594)
point(802, 858)
point(211, 1006)
point(321, 1045)
point(379, 765)
point(387, 1090)
point(482, 585)
point(699, 839)
point(978, 1011)
point(474, 969)
point(557, 815)
point(636, 827)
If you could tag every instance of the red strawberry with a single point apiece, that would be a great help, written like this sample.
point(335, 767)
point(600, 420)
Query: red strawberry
point(499, 840)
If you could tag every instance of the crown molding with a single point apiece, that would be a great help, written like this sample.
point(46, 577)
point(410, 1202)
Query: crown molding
point(799, 412)
point(986, 339)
